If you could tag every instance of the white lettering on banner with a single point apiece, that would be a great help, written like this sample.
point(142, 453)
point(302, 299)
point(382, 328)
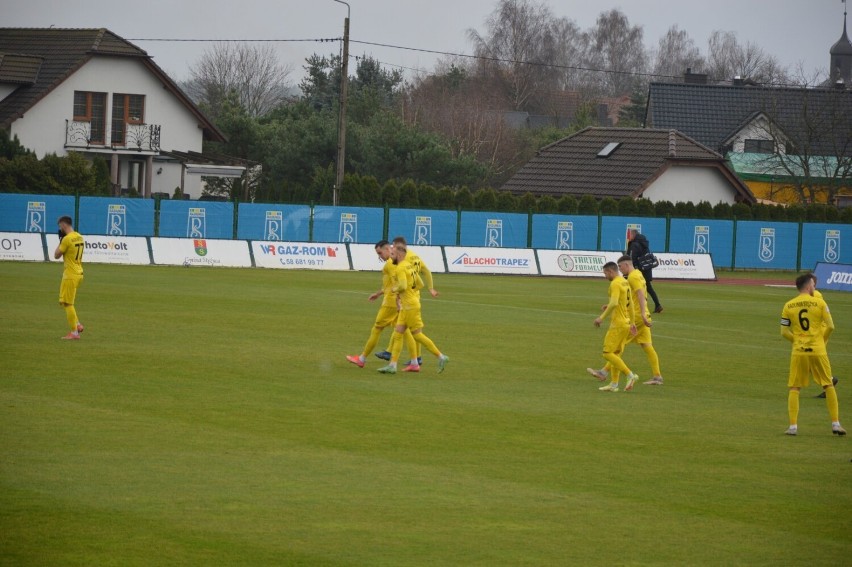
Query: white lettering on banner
point(766, 246)
point(840, 277)
point(116, 220)
point(832, 246)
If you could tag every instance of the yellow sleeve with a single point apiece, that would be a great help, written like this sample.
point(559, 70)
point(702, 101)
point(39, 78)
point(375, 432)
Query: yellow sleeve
point(613, 303)
point(427, 276)
point(829, 324)
point(401, 280)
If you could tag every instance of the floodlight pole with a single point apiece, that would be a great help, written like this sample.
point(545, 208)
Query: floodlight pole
point(341, 118)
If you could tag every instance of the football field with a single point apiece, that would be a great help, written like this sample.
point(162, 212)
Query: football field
point(208, 416)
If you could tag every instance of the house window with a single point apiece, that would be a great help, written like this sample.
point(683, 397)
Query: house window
point(126, 109)
point(759, 147)
point(91, 107)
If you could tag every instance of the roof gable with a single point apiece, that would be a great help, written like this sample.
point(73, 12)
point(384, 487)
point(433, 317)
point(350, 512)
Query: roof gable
point(64, 51)
point(712, 113)
point(573, 166)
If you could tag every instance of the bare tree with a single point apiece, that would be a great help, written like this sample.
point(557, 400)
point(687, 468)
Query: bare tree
point(616, 47)
point(676, 52)
point(727, 58)
point(252, 72)
point(519, 42)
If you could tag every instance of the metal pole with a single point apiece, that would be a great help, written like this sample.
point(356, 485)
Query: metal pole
point(341, 124)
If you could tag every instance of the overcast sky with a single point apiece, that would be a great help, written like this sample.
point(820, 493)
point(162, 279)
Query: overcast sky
point(794, 31)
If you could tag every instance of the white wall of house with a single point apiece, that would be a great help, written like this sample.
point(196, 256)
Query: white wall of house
point(691, 183)
point(42, 128)
point(758, 129)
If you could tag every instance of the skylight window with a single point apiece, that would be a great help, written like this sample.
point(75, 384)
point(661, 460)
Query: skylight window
point(608, 149)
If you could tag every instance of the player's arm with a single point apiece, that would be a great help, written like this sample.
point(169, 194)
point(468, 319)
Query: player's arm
point(613, 303)
point(60, 250)
point(401, 281)
point(829, 324)
point(785, 327)
point(426, 274)
point(643, 306)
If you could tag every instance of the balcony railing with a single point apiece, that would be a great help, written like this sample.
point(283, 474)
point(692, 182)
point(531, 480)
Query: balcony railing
point(138, 137)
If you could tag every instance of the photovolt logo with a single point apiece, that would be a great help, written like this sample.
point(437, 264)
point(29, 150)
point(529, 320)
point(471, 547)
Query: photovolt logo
point(196, 223)
point(422, 231)
point(116, 220)
point(36, 216)
point(274, 228)
point(348, 227)
point(701, 240)
point(564, 235)
point(832, 246)
point(766, 245)
point(494, 233)
point(200, 247)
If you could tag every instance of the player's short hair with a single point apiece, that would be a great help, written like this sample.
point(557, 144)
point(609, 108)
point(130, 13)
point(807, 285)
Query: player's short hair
point(813, 277)
point(625, 258)
point(610, 266)
point(65, 219)
point(803, 280)
point(382, 243)
point(400, 240)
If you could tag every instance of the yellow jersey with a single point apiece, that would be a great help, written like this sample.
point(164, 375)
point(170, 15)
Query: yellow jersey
point(406, 283)
point(619, 303)
point(72, 247)
point(388, 272)
point(807, 317)
point(636, 281)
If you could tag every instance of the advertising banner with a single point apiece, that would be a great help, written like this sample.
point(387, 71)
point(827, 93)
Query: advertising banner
point(364, 257)
point(494, 230)
point(33, 213)
point(116, 217)
point(684, 267)
point(565, 232)
point(614, 232)
point(767, 245)
point(829, 243)
point(703, 236)
point(101, 249)
point(201, 252)
point(274, 223)
point(423, 227)
point(300, 255)
point(196, 219)
point(21, 246)
point(349, 225)
point(574, 263)
point(837, 277)
point(470, 260)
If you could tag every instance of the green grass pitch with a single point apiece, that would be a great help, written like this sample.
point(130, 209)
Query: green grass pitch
point(209, 416)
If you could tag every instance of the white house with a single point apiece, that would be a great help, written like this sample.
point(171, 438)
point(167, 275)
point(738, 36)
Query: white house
point(90, 91)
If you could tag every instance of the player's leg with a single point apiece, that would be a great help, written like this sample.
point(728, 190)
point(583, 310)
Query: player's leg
point(67, 295)
point(821, 372)
point(613, 345)
point(796, 380)
point(421, 338)
point(643, 338)
point(384, 318)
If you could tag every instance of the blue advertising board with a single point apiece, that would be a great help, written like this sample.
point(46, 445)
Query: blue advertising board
point(565, 232)
point(274, 222)
point(423, 227)
point(703, 236)
point(494, 230)
point(20, 212)
point(825, 243)
point(614, 232)
point(767, 245)
point(196, 219)
point(836, 277)
point(113, 216)
point(358, 225)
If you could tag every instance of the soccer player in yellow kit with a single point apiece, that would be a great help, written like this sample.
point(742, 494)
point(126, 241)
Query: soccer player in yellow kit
point(70, 248)
point(806, 322)
point(818, 294)
point(388, 311)
point(620, 327)
point(407, 285)
point(641, 319)
point(423, 272)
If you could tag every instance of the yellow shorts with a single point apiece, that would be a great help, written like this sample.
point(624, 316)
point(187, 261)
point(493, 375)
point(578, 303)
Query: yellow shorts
point(386, 316)
point(615, 339)
point(805, 366)
point(410, 319)
point(643, 337)
point(68, 289)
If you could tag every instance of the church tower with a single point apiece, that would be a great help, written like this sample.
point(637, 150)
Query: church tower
point(841, 58)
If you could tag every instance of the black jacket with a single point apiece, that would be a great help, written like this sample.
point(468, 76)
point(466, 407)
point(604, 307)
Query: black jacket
point(637, 248)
